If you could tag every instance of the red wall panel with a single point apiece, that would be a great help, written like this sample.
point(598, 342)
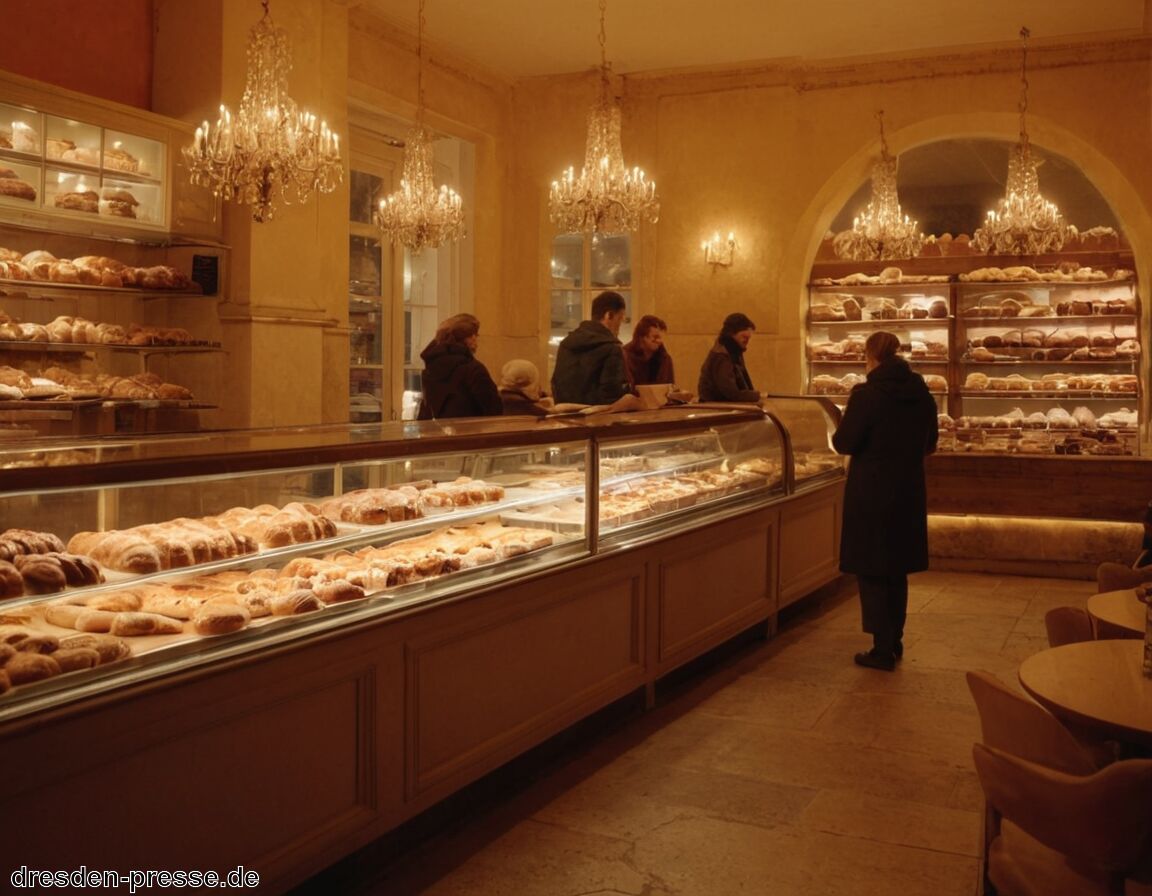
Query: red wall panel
point(101, 48)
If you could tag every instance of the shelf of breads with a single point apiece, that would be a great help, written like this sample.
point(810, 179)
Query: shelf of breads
point(1110, 385)
point(1055, 431)
point(1078, 357)
point(844, 307)
point(70, 639)
point(826, 384)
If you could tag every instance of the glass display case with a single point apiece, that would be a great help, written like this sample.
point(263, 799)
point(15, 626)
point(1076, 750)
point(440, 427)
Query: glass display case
point(1048, 366)
point(840, 319)
point(809, 424)
point(123, 560)
point(74, 169)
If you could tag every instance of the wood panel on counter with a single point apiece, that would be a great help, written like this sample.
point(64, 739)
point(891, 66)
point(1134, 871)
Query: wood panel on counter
point(1086, 488)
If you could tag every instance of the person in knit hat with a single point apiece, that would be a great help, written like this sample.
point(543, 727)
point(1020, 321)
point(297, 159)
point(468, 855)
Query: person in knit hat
point(520, 389)
point(1117, 577)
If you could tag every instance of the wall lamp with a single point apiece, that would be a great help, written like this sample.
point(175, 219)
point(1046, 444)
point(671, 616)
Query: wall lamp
point(719, 251)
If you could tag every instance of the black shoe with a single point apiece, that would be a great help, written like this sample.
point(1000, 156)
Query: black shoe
point(898, 650)
point(874, 660)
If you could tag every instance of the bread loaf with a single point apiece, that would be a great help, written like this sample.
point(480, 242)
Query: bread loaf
point(108, 648)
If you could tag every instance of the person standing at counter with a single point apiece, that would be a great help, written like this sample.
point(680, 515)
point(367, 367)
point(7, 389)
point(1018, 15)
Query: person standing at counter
point(888, 428)
point(723, 376)
point(646, 358)
point(590, 361)
point(455, 384)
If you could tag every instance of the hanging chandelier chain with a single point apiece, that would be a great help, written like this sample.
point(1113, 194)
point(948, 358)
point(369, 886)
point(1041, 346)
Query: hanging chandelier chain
point(883, 140)
point(271, 150)
point(1023, 222)
point(1024, 35)
point(419, 214)
point(606, 196)
point(420, 64)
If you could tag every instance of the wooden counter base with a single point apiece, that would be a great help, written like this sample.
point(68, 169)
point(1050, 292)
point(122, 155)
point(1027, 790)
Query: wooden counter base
point(289, 760)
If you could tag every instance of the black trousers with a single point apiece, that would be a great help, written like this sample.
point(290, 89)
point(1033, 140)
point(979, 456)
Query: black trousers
point(884, 607)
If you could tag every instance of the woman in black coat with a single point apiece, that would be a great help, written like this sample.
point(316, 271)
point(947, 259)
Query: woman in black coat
point(456, 384)
point(888, 428)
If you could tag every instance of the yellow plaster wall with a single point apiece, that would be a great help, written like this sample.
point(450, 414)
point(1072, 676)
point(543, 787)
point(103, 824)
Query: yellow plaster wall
point(288, 277)
point(773, 153)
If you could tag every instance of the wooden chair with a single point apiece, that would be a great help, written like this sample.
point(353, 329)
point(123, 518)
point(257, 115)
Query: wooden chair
point(1068, 625)
point(1109, 631)
point(1067, 834)
point(1011, 722)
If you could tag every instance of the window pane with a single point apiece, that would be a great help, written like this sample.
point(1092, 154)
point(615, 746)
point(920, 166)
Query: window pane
point(364, 262)
point(626, 327)
point(364, 194)
point(568, 261)
point(611, 261)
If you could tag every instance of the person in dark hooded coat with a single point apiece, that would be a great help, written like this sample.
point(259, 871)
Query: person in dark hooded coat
point(888, 427)
point(456, 384)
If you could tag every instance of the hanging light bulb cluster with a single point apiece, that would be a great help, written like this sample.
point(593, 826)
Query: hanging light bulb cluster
point(270, 149)
point(883, 231)
point(1024, 222)
point(607, 196)
point(419, 215)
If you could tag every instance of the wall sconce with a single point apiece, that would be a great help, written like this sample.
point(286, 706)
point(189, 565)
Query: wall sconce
point(719, 251)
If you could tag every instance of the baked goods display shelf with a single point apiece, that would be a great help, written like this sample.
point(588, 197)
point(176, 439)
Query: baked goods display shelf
point(1067, 331)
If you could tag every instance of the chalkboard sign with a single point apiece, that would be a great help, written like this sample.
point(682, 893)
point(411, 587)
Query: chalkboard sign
point(206, 273)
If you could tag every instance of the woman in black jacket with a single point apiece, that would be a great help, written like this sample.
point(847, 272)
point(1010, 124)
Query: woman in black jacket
point(456, 384)
point(888, 428)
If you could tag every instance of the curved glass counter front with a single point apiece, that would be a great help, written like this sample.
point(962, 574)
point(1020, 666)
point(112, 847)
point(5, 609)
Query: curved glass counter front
point(125, 560)
point(809, 422)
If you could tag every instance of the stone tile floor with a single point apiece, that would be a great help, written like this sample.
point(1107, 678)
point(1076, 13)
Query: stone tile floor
point(785, 769)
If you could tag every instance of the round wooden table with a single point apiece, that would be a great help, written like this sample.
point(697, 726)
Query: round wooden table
point(1120, 609)
point(1095, 684)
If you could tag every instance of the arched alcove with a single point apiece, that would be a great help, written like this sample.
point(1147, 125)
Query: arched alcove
point(949, 185)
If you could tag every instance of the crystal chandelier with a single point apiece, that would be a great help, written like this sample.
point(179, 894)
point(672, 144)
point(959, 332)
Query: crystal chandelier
point(606, 197)
point(1024, 222)
point(883, 231)
point(270, 149)
point(419, 214)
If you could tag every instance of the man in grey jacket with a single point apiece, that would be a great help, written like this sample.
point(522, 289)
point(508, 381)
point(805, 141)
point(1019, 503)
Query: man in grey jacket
point(590, 360)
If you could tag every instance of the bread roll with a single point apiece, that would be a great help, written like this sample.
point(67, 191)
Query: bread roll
point(64, 615)
point(295, 602)
point(74, 659)
point(108, 648)
point(131, 625)
point(37, 644)
point(95, 621)
point(116, 602)
point(41, 574)
point(25, 668)
point(219, 619)
point(11, 582)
